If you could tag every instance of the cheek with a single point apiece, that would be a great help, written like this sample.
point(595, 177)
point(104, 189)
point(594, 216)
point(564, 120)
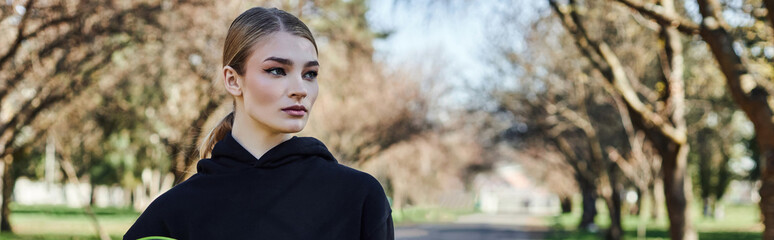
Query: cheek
point(312, 94)
point(263, 92)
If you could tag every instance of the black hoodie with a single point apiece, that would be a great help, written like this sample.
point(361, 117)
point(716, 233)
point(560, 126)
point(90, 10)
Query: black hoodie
point(296, 190)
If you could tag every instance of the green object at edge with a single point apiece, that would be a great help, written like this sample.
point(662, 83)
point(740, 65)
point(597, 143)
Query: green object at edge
point(156, 238)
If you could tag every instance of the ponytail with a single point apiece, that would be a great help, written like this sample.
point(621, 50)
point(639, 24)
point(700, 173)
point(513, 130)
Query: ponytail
point(215, 135)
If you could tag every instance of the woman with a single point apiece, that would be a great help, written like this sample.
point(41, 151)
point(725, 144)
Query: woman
point(260, 182)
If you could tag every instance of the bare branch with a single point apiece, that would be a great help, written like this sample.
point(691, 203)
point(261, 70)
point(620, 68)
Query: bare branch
point(19, 36)
point(614, 72)
point(657, 14)
point(770, 14)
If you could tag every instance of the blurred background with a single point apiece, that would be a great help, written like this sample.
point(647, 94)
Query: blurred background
point(488, 119)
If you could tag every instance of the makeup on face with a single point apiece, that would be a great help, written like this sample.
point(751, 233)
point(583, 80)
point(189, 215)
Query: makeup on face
point(280, 82)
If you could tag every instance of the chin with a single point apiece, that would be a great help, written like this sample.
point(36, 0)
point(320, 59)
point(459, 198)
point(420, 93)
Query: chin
point(292, 128)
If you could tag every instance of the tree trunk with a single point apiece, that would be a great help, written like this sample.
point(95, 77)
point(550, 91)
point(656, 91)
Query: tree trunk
point(659, 200)
point(674, 152)
point(705, 207)
point(8, 183)
point(589, 202)
point(637, 208)
point(566, 204)
point(69, 170)
point(767, 188)
point(750, 97)
point(665, 130)
point(613, 202)
point(92, 195)
point(614, 208)
point(642, 224)
point(677, 191)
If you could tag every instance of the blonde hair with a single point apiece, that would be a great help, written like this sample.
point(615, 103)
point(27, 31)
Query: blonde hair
point(246, 30)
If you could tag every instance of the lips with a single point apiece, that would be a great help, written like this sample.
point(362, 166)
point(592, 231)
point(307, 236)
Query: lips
point(295, 110)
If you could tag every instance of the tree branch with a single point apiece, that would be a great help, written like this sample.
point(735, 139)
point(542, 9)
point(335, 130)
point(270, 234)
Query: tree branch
point(614, 72)
point(657, 14)
point(19, 36)
point(770, 14)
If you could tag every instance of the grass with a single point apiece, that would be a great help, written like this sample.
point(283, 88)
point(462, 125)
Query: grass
point(740, 223)
point(427, 214)
point(55, 222)
point(43, 222)
point(59, 222)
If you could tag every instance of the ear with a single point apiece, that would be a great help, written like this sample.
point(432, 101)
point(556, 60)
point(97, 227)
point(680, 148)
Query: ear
point(231, 81)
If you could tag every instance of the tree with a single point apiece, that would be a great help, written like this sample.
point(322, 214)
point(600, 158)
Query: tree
point(62, 45)
point(665, 127)
point(747, 81)
point(578, 123)
point(564, 111)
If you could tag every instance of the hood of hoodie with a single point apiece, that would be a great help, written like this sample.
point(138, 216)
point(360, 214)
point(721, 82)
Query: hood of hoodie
point(228, 155)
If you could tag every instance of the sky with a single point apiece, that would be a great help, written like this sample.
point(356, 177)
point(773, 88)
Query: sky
point(422, 28)
point(454, 36)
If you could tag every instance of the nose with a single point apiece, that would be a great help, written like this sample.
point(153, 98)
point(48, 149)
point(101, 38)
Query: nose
point(297, 89)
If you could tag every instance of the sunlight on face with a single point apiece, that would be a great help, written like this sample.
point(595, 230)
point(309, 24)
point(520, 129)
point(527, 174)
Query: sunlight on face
point(280, 82)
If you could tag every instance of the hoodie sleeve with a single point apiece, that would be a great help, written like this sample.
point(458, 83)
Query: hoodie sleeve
point(150, 223)
point(382, 231)
point(377, 215)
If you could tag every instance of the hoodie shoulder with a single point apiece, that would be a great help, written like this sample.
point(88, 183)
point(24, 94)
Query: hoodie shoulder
point(160, 218)
point(375, 207)
point(348, 176)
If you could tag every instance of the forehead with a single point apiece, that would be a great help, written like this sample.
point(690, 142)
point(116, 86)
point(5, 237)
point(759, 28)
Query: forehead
point(284, 45)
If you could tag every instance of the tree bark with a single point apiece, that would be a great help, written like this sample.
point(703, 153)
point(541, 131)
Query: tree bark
point(770, 7)
point(586, 179)
point(566, 204)
point(637, 208)
point(666, 130)
point(659, 200)
point(92, 195)
point(706, 207)
point(675, 160)
point(751, 98)
point(8, 183)
point(677, 183)
point(642, 223)
point(589, 203)
point(613, 201)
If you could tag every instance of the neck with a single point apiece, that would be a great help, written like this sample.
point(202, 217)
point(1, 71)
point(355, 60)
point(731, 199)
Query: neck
point(255, 137)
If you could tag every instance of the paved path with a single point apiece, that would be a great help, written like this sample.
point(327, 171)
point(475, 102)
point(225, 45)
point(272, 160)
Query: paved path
point(477, 227)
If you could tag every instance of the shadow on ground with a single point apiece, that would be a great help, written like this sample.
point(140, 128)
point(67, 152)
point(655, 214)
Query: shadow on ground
point(456, 231)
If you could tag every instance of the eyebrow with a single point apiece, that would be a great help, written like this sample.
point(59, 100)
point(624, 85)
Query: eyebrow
point(312, 64)
point(285, 61)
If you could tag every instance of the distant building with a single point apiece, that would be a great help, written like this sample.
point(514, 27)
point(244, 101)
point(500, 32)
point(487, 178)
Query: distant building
point(508, 190)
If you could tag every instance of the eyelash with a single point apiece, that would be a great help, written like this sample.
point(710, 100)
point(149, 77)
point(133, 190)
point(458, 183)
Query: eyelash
point(313, 73)
point(281, 72)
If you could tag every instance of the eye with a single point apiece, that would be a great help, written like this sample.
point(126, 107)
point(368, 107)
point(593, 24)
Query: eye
point(310, 75)
point(276, 71)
